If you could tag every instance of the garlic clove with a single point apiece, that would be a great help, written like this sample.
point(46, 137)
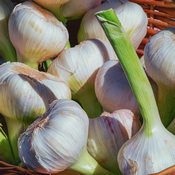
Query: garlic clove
point(26, 93)
point(6, 49)
point(131, 15)
point(159, 64)
point(78, 67)
point(56, 140)
point(112, 88)
point(36, 34)
point(108, 133)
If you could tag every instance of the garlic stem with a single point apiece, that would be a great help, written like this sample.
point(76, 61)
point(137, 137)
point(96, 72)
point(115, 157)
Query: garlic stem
point(133, 69)
point(88, 166)
point(87, 98)
point(7, 51)
point(5, 149)
point(14, 129)
point(166, 103)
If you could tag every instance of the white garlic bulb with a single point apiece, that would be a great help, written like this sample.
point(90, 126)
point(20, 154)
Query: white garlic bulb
point(78, 67)
point(153, 153)
point(159, 64)
point(131, 15)
point(55, 140)
point(112, 88)
point(108, 133)
point(6, 49)
point(35, 33)
point(26, 93)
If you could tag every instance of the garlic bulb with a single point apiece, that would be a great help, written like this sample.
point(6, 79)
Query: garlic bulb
point(112, 88)
point(36, 34)
point(6, 49)
point(108, 133)
point(77, 67)
point(56, 140)
point(159, 63)
point(152, 149)
point(26, 93)
point(68, 9)
point(131, 15)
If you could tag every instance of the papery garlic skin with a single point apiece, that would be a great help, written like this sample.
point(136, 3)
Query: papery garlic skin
point(108, 133)
point(131, 15)
point(35, 33)
point(112, 88)
point(55, 141)
point(76, 8)
point(159, 57)
point(78, 65)
point(159, 64)
point(154, 153)
point(26, 92)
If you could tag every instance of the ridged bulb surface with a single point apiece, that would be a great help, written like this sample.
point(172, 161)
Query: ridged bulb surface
point(131, 15)
point(35, 33)
point(143, 155)
point(112, 88)
point(159, 57)
point(108, 133)
point(78, 65)
point(26, 93)
point(55, 141)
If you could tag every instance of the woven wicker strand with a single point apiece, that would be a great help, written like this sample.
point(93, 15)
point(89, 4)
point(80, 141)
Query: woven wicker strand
point(8, 169)
point(161, 15)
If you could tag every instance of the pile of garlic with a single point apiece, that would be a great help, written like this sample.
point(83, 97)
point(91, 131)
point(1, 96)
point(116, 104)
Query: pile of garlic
point(67, 105)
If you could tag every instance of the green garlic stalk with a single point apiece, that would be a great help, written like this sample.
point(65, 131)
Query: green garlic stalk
point(7, 50)
point(141, 154)
point(6, 153)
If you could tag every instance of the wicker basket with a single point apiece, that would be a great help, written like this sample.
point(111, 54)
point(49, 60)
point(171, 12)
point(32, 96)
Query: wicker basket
point(161, 14)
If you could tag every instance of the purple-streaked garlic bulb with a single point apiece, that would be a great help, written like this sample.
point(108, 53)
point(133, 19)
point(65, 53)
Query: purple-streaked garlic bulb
point(112, 88)
point(57, 140)
point(108, 133)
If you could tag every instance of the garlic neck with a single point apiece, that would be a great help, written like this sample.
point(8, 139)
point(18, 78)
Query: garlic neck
point(88, 166)
point(166, 104)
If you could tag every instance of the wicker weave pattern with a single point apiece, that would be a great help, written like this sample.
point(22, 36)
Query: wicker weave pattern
point(161, 14)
